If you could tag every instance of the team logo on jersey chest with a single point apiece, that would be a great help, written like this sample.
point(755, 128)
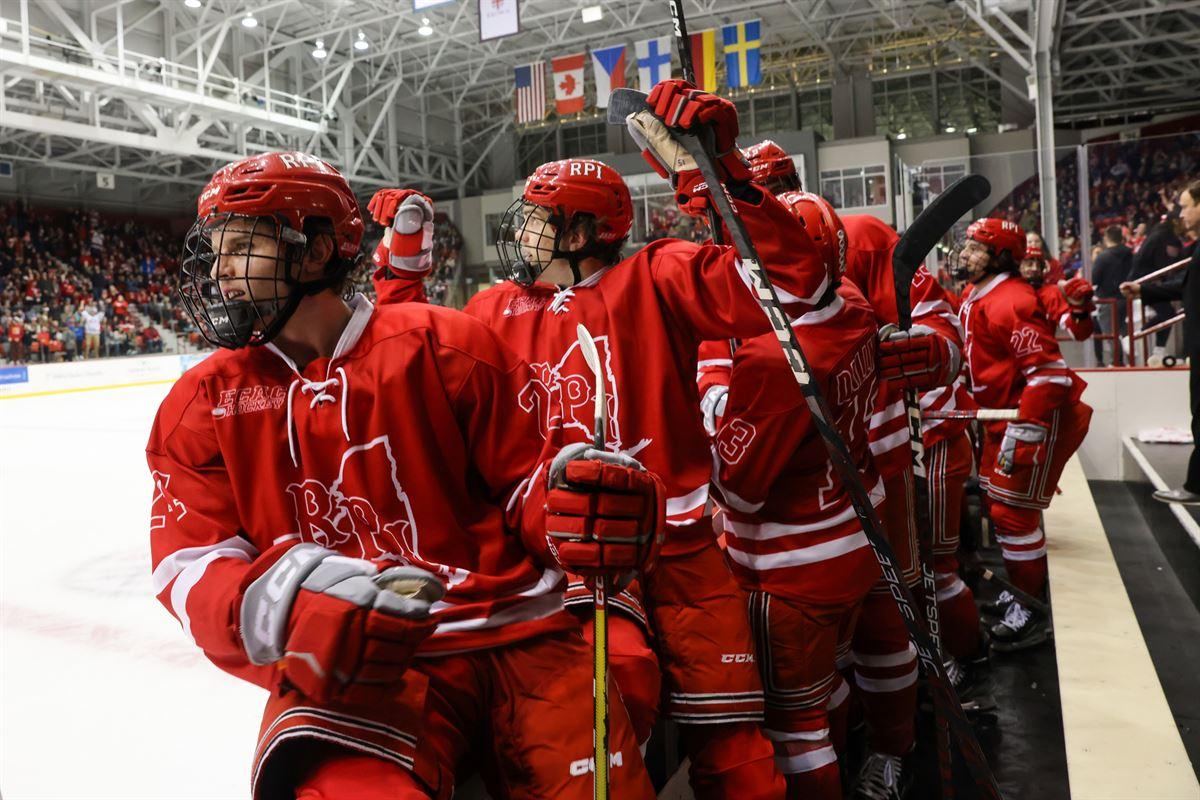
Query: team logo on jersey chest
point(338, 514)
point(561, 394)
point(523, 304)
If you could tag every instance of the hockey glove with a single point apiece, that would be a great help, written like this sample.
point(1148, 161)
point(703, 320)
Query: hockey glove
point(407, 243)
point(337, 628)
point(919, 358)
point(677, 107)
point(1022, 446)
point(712, 406)
point(1078, 292)
point(605, 514)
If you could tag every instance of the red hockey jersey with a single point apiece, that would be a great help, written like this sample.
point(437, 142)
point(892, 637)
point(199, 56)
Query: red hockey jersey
point(404, 447)
point(1011, 353)
point(1061, 313)
point(869, 266)
point(648, 315)
point(790, 528)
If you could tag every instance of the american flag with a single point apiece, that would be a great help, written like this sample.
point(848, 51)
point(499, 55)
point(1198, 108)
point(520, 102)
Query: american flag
point(531, 92)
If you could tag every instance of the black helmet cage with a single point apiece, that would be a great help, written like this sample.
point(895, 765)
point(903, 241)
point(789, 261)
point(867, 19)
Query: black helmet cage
point(258, 317)
point(513, 225)
point(997, 263)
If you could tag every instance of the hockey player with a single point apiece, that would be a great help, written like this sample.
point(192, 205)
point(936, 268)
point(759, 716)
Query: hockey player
point(773, 168)
point(791, 533)
point(352, 511)
point(1067, 302)
point(885, 660)
point(649, 313)
point(1014, 361)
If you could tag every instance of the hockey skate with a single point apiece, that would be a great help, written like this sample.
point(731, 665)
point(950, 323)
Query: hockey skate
point(882, 777)
point(1020, 629)
point(972, 682)
point(998, 607)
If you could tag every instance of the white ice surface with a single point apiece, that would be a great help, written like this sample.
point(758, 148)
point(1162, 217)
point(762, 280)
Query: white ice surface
point(102, 695)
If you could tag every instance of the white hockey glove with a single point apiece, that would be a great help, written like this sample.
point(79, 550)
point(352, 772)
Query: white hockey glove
point(335, 627)
point(407, 243)
point(1021, 446)
point(712, 406)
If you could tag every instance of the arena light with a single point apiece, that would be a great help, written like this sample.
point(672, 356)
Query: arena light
point(901, 135)
point(592, 13)
point(249, 21)
point(319, 51)
point(426, 29)
point(972, 129)
point(192, 3)
point(361, 42)
point(951, 129)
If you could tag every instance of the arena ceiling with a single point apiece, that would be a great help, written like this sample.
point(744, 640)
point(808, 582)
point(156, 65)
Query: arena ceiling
point(161, 92)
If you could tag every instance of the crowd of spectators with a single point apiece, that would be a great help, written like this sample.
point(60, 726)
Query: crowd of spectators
point(80, 284)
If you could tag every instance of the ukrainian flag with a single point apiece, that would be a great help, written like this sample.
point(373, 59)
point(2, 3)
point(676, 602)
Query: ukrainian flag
point(743, 59)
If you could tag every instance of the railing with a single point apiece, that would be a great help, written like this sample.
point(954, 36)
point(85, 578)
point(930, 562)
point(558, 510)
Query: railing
point(1114, 328)
point(154, 69)
point(1143, 332)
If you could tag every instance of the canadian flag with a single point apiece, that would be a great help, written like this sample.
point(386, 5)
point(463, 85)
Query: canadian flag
point(568, 83)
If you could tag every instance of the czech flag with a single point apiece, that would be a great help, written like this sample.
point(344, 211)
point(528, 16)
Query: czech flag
point(704, 59)
point(743, 62)
point(609, 65)
point(568, 84)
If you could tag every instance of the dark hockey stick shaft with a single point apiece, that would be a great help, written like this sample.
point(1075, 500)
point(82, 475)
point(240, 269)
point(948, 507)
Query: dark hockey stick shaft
point(847, 469)
point(684, 45)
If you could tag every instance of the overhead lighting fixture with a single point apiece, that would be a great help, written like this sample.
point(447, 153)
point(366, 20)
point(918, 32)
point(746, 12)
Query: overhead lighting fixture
point(592, 13)
point(901, 135)
point(319, 50)
point(951, 129)
point(972, 130)
point(249, 21)
point(361, 42)
point(426, 29)
point(192, 3)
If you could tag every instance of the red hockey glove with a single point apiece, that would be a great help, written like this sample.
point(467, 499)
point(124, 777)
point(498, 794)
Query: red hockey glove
point(335, 627)
point(1078, 291)
point(1023, 445)
point(678, 107)
point(605, 514)
point(919, 358)
point(407, 242)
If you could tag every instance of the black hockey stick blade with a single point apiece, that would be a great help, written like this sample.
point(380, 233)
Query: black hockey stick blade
point(622, 103)
point(936, 220)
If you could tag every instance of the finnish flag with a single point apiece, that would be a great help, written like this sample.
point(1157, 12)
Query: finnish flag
point(654, 61)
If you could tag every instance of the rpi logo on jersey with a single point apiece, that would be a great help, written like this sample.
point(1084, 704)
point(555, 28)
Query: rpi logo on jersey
point(339, 516)
point(561, 395)
point(586, 169)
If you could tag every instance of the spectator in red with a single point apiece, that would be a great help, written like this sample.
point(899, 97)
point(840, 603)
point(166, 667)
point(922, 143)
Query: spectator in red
point(16, 341)
point(120, 307)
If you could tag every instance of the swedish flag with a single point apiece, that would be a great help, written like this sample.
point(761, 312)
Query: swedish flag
point(743, 61)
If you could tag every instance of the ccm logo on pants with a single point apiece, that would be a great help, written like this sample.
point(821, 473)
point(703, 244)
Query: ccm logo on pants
point(737, 658)
point(585, 765)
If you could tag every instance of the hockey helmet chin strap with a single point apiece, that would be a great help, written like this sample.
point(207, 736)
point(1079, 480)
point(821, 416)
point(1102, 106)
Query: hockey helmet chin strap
point(522, 271)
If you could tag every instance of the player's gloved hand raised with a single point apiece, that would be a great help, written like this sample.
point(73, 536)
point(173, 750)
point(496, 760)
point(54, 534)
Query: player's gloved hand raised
point(1078, 291)
point(919, 358)
point(337, 628)
point(605, 514)
point(407, 243)
point(1023, 445)
point(677, 107)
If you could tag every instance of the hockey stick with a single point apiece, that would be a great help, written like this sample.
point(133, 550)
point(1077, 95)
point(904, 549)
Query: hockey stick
point(684, 45)
point(626, 101)
point(1025, 597)
point(930, 226)
point(981, 414)
point(587, 346)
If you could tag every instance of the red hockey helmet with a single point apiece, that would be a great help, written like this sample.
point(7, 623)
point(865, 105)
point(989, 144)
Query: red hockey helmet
point(291, 187)
point(772, 167)
point(233, 292)
point(1034, 253)
point(1000, 235)
point(824, 227)
point(567, 189)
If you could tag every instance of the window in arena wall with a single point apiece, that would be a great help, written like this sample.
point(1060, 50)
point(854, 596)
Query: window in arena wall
point(587, 139)
point(816, 111)
point(857, 187)
point(773, 113)
point(904, 104)
point(968, 98)
point(491, 225)
point(536, 147)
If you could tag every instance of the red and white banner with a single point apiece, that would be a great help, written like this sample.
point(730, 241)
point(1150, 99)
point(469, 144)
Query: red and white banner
point(568, 84)
point(498, 18)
